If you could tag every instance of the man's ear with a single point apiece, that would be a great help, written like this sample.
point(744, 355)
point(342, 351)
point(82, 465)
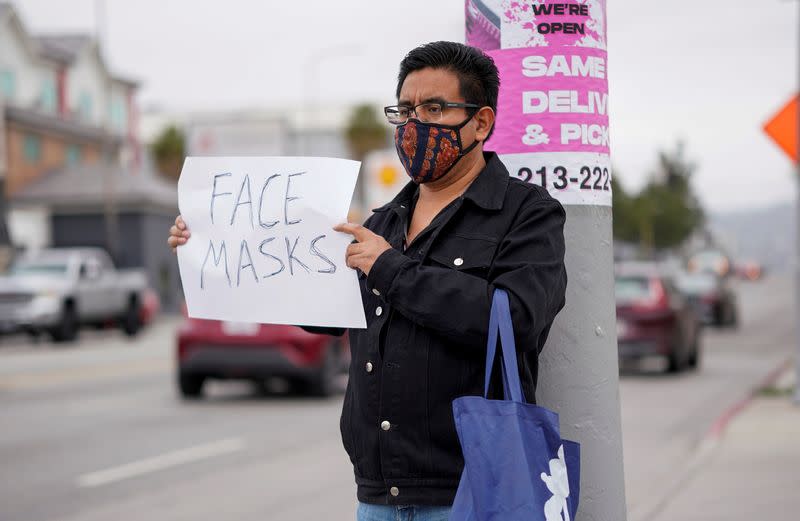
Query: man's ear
point(485, 120)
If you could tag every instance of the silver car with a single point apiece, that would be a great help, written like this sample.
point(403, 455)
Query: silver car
point(58, 290)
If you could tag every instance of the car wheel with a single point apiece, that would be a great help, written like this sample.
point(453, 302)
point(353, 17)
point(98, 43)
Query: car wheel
point(694, 356)
point(131, 321)
point(67, 328)
point(678, 357)
point(674, 364)
point(733, 321)
point(719, 315)
point(323, 382)
point(191, 385)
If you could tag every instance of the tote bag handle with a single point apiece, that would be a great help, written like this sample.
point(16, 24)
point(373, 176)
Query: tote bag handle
point(500, 323)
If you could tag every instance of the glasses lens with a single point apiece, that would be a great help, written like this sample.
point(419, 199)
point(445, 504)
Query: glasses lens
point(396, 114)
point(429, 112)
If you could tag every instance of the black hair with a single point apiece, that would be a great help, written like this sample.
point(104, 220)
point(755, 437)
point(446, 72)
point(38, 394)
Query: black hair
point(478, 79)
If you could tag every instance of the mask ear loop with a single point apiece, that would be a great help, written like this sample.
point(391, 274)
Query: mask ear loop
point(465, 151)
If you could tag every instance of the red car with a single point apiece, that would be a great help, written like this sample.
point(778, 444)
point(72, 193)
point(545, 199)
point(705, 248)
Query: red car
point(213, 349)
point(654, 318)
point(151, 305)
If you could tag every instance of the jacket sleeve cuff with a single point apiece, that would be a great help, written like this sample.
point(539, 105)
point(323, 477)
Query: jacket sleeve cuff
point(384, 270)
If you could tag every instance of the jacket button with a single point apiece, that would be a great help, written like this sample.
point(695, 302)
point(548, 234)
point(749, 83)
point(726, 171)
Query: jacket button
point(394, 491)
point(378, 311)
point(376, 292)
point(385, 425)
point(369, 367)
point(459, 261)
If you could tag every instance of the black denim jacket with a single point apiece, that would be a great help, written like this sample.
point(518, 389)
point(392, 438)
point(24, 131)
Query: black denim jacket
point(427, 318)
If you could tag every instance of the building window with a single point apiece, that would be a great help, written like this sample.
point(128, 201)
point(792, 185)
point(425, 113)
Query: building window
point(119, 114)
point(8, 84)
point(85, 106)
point(32, 148)
point(49, 96)
point(73, 154)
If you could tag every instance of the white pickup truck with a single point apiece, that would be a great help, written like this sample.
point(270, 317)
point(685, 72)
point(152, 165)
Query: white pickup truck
point(58, 290)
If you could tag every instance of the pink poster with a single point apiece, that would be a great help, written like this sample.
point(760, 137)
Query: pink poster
point(552, 114)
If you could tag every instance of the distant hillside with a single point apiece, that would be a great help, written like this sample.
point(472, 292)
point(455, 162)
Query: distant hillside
point(766, 235)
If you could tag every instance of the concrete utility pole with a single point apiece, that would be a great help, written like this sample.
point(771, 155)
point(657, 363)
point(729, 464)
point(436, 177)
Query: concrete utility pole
point(552, 130)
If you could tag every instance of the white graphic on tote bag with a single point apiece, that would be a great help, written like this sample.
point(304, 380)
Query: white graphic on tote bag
point(558, 485)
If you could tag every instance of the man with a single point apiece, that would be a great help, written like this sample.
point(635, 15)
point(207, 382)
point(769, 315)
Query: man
point(428, 262)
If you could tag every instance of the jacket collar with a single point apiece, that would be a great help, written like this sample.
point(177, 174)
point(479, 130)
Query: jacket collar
point(487, 191)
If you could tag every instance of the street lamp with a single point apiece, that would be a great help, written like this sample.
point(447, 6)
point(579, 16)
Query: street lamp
point(345, 50)
point(109, 206)
point(797, 240)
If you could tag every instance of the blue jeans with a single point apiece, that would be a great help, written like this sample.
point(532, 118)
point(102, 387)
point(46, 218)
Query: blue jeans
point(368, 512)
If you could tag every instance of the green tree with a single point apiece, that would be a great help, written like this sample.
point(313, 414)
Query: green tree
point(676, 211)
point(169, 150)
point(625, 223)
point(666, 212)
point(365, 131)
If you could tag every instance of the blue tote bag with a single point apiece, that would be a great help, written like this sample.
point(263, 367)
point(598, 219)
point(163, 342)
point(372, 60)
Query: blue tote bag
point(516, 466)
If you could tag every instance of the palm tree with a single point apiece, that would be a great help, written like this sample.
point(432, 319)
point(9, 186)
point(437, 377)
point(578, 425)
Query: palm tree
point(169, 150)
point(365, 132)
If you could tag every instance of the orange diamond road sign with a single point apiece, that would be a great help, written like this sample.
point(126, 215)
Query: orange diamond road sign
point(782, 128)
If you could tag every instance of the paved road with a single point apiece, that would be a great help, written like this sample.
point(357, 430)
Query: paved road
point(665, 417)
point(97, 432)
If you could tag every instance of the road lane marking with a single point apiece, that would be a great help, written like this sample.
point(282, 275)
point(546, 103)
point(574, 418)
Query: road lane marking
point(161, 462)
point(85, 374)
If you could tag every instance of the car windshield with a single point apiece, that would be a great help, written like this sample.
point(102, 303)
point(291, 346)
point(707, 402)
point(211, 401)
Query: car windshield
point(695, 284)
point(630, 289)
point(47, 270)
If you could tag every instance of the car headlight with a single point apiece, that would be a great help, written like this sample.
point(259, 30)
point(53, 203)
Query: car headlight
point(47, 299)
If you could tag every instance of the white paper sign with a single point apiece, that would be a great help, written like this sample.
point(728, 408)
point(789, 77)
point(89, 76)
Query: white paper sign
point(263, 247)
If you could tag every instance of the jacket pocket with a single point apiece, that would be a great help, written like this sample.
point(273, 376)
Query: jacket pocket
point(346, 427)
point(468, 254)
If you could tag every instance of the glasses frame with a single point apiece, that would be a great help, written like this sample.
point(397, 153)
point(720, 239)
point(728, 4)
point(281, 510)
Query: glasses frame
point(443, 104)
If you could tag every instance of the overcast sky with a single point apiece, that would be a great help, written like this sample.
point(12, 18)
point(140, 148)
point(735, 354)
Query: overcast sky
point(710, 72)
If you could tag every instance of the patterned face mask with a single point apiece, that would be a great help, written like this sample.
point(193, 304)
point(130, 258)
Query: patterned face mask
point(429, 150)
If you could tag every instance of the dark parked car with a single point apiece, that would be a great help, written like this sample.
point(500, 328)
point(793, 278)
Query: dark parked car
point(654, 318)
point(214, 349)
point(712, 297)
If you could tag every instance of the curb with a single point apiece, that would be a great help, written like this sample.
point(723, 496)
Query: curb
point(709, 442)
point(721, 424)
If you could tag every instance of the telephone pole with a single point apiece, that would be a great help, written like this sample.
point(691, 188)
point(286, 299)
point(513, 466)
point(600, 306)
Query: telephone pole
point(552, 130)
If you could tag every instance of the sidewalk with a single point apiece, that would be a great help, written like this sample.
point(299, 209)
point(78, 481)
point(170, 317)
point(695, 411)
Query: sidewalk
point(752, 470)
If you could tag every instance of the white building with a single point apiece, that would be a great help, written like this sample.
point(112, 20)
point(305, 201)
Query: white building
point(60, 107)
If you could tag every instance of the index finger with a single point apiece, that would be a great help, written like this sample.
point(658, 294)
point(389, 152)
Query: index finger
point(356, 230)
point(179, 222)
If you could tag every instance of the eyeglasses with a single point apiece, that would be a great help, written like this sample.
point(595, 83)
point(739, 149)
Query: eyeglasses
point(429, 112)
